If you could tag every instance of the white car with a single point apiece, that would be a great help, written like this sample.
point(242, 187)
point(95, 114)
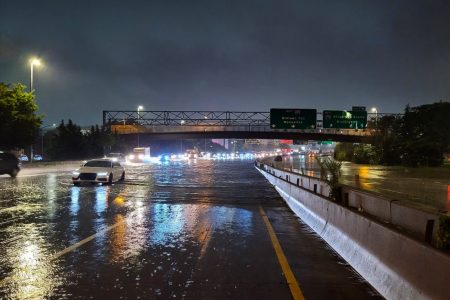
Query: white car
point(23, 157)
point(99, 171)
point(37, 157)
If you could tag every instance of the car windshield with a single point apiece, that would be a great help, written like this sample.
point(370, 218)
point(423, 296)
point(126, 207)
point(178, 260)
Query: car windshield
point(98, 164)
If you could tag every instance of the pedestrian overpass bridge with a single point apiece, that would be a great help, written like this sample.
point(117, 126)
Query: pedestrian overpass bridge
point(224, 124)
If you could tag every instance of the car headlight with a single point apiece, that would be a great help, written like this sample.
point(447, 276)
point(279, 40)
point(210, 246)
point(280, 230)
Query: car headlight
point(141, 156)
point(75, 173)
point(102, 173)
point(131, 156)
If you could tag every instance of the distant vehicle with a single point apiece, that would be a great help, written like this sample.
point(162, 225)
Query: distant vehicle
point(165, 157)
point(141, 154)
point(192, 154)
point(23, 157)
point(103, 171)
point(38, 157)
point(120, 157)
point(278, 158)
point(9, 164)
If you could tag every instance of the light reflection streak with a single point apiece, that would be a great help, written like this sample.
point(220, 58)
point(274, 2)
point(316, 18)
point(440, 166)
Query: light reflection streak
point(129, 238)
point(32, 272)
point(169, 222)
point(448, 198)
point(74, 201)
point(101, 199)
point(101, 204)
point(363, 172)
point(118, 239)
point(51, 194)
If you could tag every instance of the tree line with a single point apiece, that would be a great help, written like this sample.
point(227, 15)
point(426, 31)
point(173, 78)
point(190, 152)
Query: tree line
point(419, 137)
point(69, 141)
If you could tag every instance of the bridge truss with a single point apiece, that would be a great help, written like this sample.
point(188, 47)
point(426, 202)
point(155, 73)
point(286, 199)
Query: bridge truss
point(187, 118)
point(226, 124)
point(203, 118)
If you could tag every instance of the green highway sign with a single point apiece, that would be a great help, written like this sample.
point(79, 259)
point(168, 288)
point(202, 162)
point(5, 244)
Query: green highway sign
point(293, 118)
point(325, 142)
point(344, 119)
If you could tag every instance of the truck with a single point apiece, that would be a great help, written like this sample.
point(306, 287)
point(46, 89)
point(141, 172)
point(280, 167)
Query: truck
point(139, 155)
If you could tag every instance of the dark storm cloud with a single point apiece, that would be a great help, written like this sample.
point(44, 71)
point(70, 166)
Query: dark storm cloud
point(227, 55)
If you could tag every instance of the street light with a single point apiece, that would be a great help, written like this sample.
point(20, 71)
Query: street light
point(374, 110)
point(33, 62)
point(42, 137)
point(140, 107)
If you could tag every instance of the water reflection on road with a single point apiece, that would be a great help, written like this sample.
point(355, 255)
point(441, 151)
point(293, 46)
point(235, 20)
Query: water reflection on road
point(164, 206)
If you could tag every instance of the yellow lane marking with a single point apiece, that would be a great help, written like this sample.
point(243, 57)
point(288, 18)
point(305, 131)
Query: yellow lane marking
point(290, 278)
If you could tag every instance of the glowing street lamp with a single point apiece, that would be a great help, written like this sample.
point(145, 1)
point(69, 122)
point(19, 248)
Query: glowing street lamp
point(33, 62)
point(140, 107)
point(374, 110)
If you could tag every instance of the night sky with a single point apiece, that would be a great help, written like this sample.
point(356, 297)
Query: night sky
point(226, 55)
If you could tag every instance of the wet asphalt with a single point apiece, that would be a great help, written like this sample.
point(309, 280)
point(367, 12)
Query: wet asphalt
point(177, 230)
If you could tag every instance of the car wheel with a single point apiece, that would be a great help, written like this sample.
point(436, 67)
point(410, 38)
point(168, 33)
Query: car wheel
point(122, 178)
point(14, 172)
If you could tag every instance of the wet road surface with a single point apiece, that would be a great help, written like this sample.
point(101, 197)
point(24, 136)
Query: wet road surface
point(189, 230)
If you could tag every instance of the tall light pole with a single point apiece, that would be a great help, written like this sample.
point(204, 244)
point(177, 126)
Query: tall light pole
point(42, 137)
point(33, 62)
point(140, 107)
point(374, 110)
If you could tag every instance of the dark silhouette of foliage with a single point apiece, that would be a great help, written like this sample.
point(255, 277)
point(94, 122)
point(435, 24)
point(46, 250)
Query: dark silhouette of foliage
point(420, 137)
point(425, 134)
point(68, 141)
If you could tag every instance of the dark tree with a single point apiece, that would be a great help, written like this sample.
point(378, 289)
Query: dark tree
point(20, 123)
point(67, 142)
point(388, 143)
point(425, 134)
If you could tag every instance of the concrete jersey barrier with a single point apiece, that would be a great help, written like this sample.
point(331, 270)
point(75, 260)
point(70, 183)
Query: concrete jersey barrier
point(397, 266)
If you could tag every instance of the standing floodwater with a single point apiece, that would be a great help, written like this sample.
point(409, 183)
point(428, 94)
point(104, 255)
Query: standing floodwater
point(419, 186)
point(189, 229)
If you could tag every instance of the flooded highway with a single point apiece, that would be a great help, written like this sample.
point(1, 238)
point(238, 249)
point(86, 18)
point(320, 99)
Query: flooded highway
point(198, 229)
point(420, 187)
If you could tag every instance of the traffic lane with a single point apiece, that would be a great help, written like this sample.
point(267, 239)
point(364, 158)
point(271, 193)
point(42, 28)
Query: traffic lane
point(321, 272)
point(239, 261)
point(175, 250)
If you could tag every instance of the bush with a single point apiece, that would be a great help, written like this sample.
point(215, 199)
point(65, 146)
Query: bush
point(443, 236)
point(330, 172)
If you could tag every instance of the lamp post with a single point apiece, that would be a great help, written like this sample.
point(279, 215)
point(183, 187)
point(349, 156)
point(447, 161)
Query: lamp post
point(33, 62)
point(138, 110)
point(42, 137)
point(374, 110)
